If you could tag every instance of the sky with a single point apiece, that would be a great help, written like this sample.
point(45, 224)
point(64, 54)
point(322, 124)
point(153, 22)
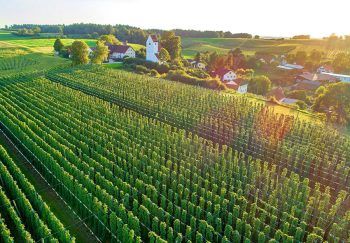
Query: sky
point(263, 17)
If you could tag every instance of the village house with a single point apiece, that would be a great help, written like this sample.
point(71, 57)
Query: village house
point(230, 79)
point(240, 85)
point(117, 52)
point(197, 64)
point(319, 77)
point(225, 74)
point(325, 69)
point(152, 48)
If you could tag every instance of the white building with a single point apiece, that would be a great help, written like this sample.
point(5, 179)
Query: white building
point(120, 51)
point(226, 74)
point(196, 64)
point(239, 85)
point(152, 49)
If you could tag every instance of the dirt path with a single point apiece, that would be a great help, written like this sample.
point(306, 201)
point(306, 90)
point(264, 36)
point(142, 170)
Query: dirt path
point(63, 212)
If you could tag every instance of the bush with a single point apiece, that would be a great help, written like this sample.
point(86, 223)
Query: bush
point(154, 73)
point(301, 105)
point(183, 77)
point(161, 68)
point(197, 73)
point(141, 69)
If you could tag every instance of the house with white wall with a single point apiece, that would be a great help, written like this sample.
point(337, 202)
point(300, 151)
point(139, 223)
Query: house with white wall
point(152, 48)
point(120, 51)
point(225, 74)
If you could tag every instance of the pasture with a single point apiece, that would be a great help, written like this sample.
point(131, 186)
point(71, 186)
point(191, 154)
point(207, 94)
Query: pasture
point(249, 46)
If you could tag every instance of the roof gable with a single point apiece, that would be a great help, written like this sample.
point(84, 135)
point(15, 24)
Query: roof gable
point(118, 48)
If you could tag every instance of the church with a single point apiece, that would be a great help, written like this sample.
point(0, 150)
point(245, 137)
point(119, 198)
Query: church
point(152, 48)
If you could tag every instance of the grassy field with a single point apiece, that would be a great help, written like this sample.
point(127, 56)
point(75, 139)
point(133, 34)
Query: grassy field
point(249, 46)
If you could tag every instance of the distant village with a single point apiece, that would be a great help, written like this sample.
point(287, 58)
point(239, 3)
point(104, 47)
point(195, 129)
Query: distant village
point(303, 80)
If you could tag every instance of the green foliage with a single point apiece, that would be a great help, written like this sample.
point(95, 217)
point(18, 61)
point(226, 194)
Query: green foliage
point(80, 54)
point(109, 39)
point(260, 85)
point(100, 54)
point(183, 77)
point(172, 44)
point(164, 55)
point(336, 102)
point(58, 45)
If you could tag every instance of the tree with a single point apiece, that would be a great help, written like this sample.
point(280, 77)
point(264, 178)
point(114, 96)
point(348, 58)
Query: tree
point(80, 53)
point(36, 30)
point(58, 45)
point(335, 101)
point(260, 85)
point(100, 54)
point(315, 56)
point(164, 55)
point(300, 57)
point(172, 44)
point(110, 39)
point(341, 62)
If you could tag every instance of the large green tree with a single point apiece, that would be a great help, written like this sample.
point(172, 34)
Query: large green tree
point(58, 45)
point(172, 44)
point(80, 53)
point(100, 53)
point(260, 85)
point(335, 101)
point(110, 39)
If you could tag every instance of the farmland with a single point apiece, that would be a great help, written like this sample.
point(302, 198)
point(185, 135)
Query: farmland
point(92, 153)
point(249, 46)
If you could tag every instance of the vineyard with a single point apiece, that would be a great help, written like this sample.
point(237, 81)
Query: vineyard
point(147, 160)
point(24, 216)
point(312, 151)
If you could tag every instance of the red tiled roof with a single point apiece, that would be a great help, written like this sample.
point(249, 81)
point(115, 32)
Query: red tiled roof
point(118, 48)
point(278, 93)
point(235, 84)
point(222, 71)
point(154, 38)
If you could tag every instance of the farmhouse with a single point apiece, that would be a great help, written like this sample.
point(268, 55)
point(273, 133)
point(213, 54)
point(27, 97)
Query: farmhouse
point(197, 64)
point(225, 74)
point(325, 69)
point(120, 51)
point(152, 48)
point(239, 85)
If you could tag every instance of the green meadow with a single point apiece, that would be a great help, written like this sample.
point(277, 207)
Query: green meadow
point(250, 46)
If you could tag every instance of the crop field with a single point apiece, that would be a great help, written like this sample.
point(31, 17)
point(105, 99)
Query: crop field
point(149, 163)
point(93, 153)
point(28, 63)
point(24, 216)
point(249, 46)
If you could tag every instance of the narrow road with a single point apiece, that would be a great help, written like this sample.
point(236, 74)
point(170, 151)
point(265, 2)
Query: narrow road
point(58, 206)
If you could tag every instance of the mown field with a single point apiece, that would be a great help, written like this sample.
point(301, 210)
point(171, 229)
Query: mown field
point(249, 46)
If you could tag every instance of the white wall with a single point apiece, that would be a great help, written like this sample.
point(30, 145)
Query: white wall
point(230, 76)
